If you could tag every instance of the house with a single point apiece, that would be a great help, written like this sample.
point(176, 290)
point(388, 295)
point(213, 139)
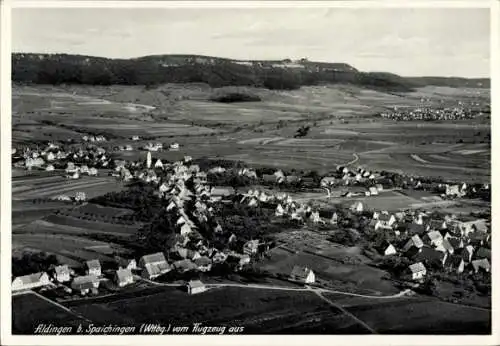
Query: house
point(481, 264)
point(221, 191)
point(430, 256)
point(49, 168)
point(478, 238)
point(62, 273)
point(455, 263)
point(387, 219)
point(445, 246)
point(154, 265)
point(482, 252)
point(126, 263)
point(93, 267)
point(123, 277)
point(279, 210)
point(466, 253)
point(185, 229)
point(303, 275)
point(85, 284)
point(308, 182)
point(315, 218)
point(379, 187)
point(433, 238)
point(243, 260)
point(195, 286)
point(436, 225)
point(327, 181)
point(269, 178)
point(184, 265)
point(373, 191)
point(414, 241)
point(158, 164)
point(415, 229)
point(30, 281)
point(357, 207)
point(452, 190)
point(334, 219)
point(203, 263)
point(390, 250)
point(455, 242)
point(292, 179)
point(251, 247)
point(417, 271)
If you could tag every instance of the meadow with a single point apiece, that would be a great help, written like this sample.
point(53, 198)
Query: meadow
point(258, 311)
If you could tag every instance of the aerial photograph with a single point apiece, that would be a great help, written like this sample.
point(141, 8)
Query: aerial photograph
point(244, 171)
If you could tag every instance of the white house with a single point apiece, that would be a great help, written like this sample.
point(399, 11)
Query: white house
point(30, 281)
point(390, 250)
point(154, 265)
point(303, 275)
point(124, 277)
point(195, 286)
point(417, 271)
point(85, 284)
point(93, 267)
point(62, 273)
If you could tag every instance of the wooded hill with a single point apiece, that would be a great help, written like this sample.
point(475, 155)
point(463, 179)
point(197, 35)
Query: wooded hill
point(216, 72)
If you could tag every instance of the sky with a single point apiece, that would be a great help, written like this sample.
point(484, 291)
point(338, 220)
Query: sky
point(409, 42)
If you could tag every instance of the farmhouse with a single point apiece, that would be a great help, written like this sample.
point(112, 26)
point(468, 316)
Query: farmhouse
point(123, 277)
point(62, 273)
point(93, 267)
point(417, 271)
point(303, 275)
point(30, 281)
point(195, 286)
point(373, 191)
point(85, 284)
point(49, 168)
point(154, 265)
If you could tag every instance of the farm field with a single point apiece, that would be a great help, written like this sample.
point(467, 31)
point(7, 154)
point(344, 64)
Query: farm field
point(49, 186)
point(29, 310)
point(76, 248)
point(261, 133)
point(258, 311)
point(359, 277)
point(419, 315)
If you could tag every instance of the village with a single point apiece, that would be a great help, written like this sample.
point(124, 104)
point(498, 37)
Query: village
point(412, 245)
point(435, 114)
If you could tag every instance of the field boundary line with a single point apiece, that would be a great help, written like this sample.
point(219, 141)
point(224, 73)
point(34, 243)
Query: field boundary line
point(366, 326)
point(61, 306)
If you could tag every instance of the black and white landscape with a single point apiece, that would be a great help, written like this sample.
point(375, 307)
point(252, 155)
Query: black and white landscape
point(251, 171)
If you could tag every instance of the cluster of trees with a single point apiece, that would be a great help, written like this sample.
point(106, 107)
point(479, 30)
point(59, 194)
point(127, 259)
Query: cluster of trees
point(33, 262)
point(140, 197)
